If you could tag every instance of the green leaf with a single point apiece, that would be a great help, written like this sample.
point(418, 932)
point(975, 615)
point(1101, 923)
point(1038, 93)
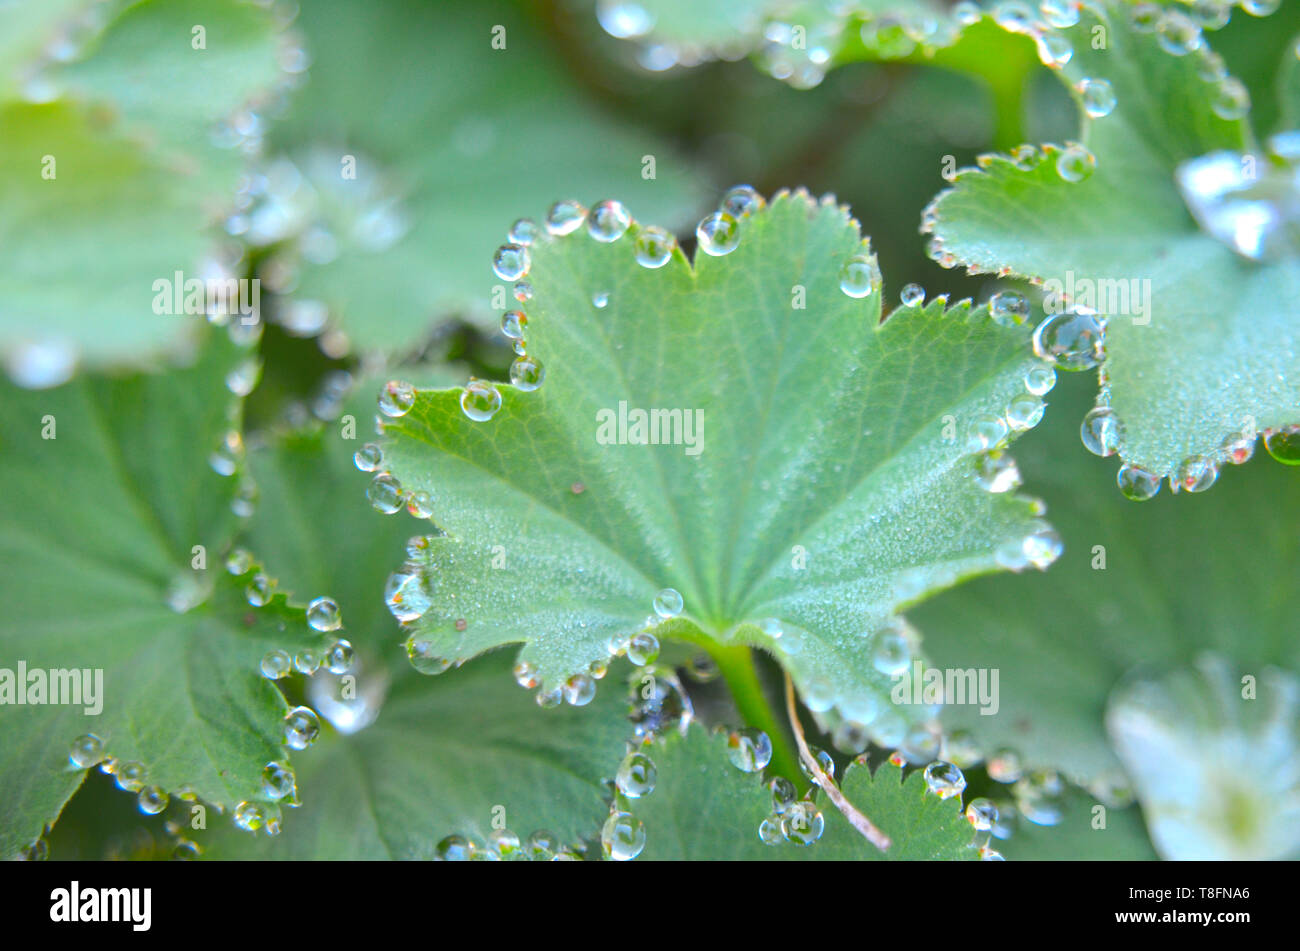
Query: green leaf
point(703, 807)
point(457, 756)
point(29, 30)
point(446, 147)
point(173, 96)
point(107, 490)
point(1152, 585)
point(832, 483)
point(124, 219)
point(1199, 344)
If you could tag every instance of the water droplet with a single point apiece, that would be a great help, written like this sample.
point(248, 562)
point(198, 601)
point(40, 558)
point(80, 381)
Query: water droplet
point(824, 762)
point(944, 779)
point(643, 649)
point(1177, 33)
point(396, 398)
point(1014, 16)
point(130, 776)
point(511, 262)
point(525, 675)
point(425, 658)
point(803, 823)
point(276, 664)
point(1075, 163)
point(1284, 445)
point(1054, 49)
point(891, 654)
point(624, 20)
point(579, 690)
point(718, 234)
point(419, 504)
point(565, 217)
point(340, 657)
point(546, 699)
point(1211, 14)
point(301, 727)
point(524, 231)
point(323, 615)
point(654, 247)
point(249, 816)
point(608, 221)
point(981, 813)
point(480, 400)
point(996, 472)
point(749, 750)
point(527, 373)
point(912, 295)
point(512, 324)
point(960, 749)
point(243, 378)
point(1060, 13)
point(1136, 483)
point(306, 661)
point(769, 831)
point(1040, 380)
point(454, 848)
point(1040, 797)
point(368, 458)
point(542, 845)
point(860, 276)
point(1073, 340)
point(407, 594)
point(741, 200)
point(600, 300)
point(1102, 432)
point(1024, 411)
point(1026, 157)
point(1260, 8)
point(1194, 474)
point(622, 837)
point(384, 493)
point(258, 592)
point(784, 795)
point(1098, 97)
point(1238, 448)
point(1231, 99)
point(86, 751)
point(668, 603)
point(1008, 308)
point(277, 781)
point(1004, 766)
point(636, 776)
point(523, 292)
point(1042, 547)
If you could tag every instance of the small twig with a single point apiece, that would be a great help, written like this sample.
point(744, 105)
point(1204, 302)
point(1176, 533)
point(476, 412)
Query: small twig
point(850, 811)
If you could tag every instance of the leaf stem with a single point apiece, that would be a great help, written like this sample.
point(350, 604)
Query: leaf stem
point(736, 664)
point(860, 822)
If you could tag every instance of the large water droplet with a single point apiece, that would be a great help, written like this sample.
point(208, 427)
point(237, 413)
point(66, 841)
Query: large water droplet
point(803, 823)
point(1098, 97)
point(608, 221)
point(1284, 445)
point(912, 295)
point(565, 217)
point(981, 813)
point(301, 727)
point(277, 781)
point(643, 649)
point(654, 247)
point(368, 458)
point(1101, 431)
point(524, 231)
point(718, 234)
point(636, 776)
point(1073, 340)
point(1008, 308)
point(276, 664)
point(1136, 483)
point(385, 494)
point(527, 373)
point(1177, 33)
point(749, 750)
point(480, 400)
point(860, 276)
point(396, 398)
point(1075, 163)
point(995, 471)
point(323, 615)
point(622, 837)
point(511, 262)
point(668, 603)
point(579, 690)
point(944, 779)
point(1194, 474)
point(424, 657)
point(86, 751)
